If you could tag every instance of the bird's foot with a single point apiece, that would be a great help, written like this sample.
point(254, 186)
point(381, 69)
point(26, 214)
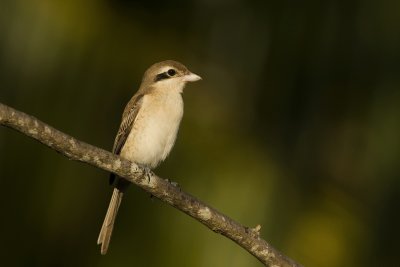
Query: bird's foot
point(146, 172)
point(175, 184)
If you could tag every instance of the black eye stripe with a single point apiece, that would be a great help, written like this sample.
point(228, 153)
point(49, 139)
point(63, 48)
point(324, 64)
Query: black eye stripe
point(165, 75)
point(161, 76)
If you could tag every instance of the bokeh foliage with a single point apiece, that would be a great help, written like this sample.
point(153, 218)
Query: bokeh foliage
point(295, 126)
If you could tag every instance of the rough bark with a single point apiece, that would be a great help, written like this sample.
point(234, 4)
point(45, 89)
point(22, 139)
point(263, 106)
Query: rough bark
point(247, 238)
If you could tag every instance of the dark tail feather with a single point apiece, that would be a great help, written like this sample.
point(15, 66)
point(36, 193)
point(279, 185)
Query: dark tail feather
point(108, 224)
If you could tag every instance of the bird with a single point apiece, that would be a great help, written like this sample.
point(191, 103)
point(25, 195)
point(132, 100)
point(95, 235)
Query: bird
point(148, 129)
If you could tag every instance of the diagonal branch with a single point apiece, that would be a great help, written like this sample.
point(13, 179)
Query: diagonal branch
point(248, 238)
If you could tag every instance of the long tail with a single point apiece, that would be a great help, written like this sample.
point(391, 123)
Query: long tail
point(108, 224)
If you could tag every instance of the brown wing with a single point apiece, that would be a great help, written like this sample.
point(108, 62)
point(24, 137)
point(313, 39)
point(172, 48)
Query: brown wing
point(128, 119)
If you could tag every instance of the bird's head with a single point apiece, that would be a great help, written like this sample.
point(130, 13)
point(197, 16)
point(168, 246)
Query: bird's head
point(168, 74)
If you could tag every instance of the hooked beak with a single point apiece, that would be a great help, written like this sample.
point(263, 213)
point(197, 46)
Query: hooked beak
point(191, 77)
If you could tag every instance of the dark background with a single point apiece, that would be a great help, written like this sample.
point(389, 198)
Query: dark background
point(295, 126)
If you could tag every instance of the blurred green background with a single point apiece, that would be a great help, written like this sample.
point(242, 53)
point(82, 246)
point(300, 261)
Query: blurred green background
point(295, 126)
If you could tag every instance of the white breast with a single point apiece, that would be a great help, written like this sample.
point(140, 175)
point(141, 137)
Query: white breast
point(154, 131)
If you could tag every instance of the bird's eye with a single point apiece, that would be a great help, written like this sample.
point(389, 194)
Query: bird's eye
point(171, 72)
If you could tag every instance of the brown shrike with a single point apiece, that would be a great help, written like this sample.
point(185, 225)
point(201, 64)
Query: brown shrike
point(148, 129)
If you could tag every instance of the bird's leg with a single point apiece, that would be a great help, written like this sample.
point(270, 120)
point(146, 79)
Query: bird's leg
point(175, 184)
point(146, 172)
